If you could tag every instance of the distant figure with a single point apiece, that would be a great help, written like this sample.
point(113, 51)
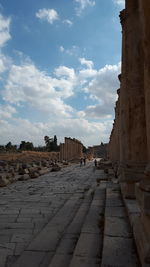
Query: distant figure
point(81, 161)
point(95, 162)
point(84, 161)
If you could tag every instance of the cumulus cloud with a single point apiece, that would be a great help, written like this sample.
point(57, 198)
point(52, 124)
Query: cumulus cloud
point(22, 129)
point(83, 4)
point(66, 72)
point(102, 88)
point(50, 15)
point(105, 83)
point(4, 30)
point(121, 3)
point(5, 63)
point(89, 63)
point(7, 111)
point(28, 84)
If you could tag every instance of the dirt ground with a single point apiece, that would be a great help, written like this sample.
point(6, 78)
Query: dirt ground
point(29, 156)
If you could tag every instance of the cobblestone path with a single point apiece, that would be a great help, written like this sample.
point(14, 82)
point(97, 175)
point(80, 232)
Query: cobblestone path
point(72, 218)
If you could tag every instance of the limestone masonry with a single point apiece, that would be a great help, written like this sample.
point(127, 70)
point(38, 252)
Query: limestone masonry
point(129, 147)
point(71, 149)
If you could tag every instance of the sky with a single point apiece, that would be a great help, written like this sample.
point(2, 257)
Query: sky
point(59, 66)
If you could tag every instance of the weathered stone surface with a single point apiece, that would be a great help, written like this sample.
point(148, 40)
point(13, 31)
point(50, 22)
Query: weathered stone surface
point(3, 180)
point(84, 262)
point(118, 251)
point(118, 227)
point(30, 258)
point(60, 260)
point(89, 245)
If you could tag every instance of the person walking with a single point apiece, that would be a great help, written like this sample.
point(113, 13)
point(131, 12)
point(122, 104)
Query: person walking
point(95, 163)
point(84, 161)
point(81, 161)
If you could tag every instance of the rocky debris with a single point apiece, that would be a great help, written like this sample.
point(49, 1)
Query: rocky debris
point(3, 180)
point(11, 171)
point(56, 168)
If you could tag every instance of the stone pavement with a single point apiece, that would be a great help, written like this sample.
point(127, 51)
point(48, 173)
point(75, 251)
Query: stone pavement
point(72, 218)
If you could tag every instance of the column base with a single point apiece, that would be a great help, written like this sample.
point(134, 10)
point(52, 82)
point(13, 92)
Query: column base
point(142, 225)
point(128, 190)
point(143, 198)
point(130, 174)
point(142, 239)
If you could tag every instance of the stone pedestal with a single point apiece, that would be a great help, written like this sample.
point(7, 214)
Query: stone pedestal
point(130, 174)
point(142, 226)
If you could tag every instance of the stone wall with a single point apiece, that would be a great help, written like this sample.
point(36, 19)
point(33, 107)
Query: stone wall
point(71, 149)
point(99, 151)
point(129, 146)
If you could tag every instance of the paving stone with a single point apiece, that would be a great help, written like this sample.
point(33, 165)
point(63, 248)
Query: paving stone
point(92, 222)
point(30, 258)
point(115, 212)
point(5, 238)
point(46, 260)
point(89, 245)
point(67, 244)
point(60, 261)
point(3, 256)
point(84, 262)
point(47, 240)
point(114, 202)
point(20, 247)
point(115, 226)
point(16, 225)
point(20, 237)
point(118, 251)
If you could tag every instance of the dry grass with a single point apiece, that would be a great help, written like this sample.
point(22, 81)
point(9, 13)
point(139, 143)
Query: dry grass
point(28, 156)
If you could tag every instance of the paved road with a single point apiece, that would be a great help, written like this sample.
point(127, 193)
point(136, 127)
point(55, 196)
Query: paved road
point(71, 218)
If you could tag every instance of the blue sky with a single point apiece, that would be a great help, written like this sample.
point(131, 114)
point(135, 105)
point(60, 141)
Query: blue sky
point(59, 62)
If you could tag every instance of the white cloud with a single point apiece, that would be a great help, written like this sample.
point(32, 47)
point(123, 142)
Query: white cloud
point(121, 3)
point(68, 22)
point(28, 84)
point(4, 30)
point(4, 63)
point(87, 73)
point(19, 129)
point(50, 15)
point(72, 51)
point(66, 72)
point(105, 84)
point(102, 88)
point(83, 4)
point(88, 63)
point(6, 111)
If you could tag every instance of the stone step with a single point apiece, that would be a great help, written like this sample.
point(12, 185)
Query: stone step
point(68, 242)
point(118, 245)
point(87, 252)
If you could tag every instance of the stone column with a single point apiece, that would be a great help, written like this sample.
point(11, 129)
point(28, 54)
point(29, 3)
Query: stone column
point(133, 155)
point(142, 226)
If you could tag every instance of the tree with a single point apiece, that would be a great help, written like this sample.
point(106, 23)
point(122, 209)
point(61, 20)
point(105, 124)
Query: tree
point(51, 143)
point(26, 146)
point(84, 149)
point(55, 147)
point(8, 146)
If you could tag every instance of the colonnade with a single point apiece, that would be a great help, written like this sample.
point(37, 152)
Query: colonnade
point(71, 149)
point(129, 146)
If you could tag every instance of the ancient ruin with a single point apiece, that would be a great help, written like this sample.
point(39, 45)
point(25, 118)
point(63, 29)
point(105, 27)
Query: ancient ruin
point(71, 149)
point(99, 151)
point(129, 147)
